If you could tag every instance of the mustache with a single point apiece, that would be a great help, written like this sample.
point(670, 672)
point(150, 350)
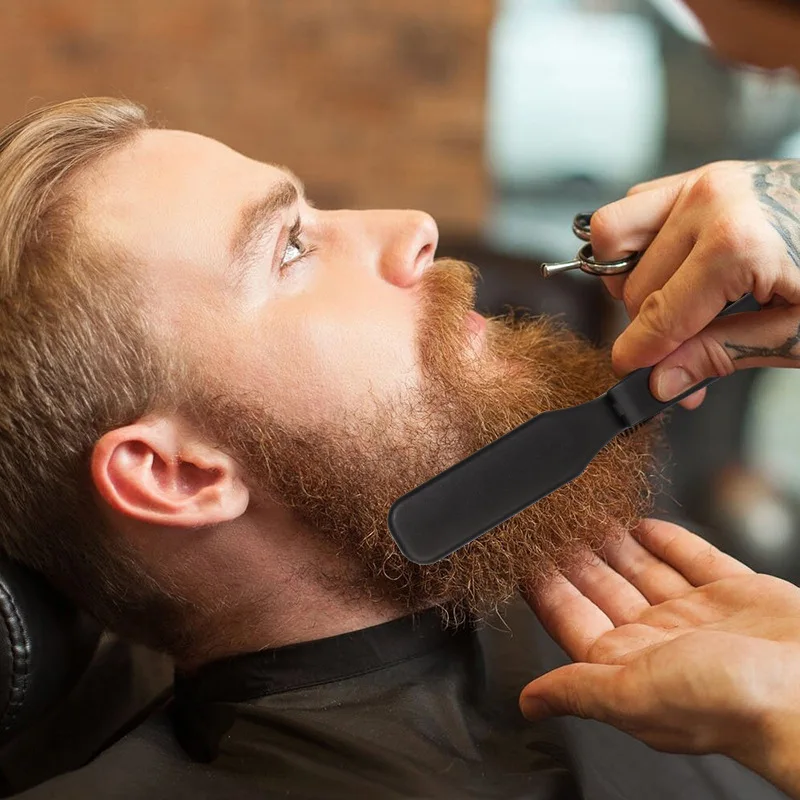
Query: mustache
point(450, 281)
point(530, 364)
point(448, 289)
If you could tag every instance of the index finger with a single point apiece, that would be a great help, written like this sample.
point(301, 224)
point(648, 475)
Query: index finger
point(691, 555)
point(630, 224)
point(655, 183)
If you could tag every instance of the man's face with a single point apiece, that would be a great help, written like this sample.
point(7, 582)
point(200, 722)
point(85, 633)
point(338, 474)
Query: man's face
point(761, 33)
point(341, 366)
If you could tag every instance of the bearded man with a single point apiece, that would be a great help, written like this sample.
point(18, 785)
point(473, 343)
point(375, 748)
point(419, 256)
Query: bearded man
point(212, 392)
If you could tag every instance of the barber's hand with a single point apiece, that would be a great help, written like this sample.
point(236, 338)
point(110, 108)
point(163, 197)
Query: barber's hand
point(681, 646)
point(712, 235)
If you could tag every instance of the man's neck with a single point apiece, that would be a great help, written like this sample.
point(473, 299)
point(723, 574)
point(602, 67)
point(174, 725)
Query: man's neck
point(309, 594)
point(302, 610)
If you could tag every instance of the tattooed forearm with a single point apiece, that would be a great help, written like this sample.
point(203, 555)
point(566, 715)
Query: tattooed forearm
point(738, 352)
point(777, 186)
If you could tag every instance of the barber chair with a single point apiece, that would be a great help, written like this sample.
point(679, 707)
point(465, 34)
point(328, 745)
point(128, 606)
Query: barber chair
point(68, 690)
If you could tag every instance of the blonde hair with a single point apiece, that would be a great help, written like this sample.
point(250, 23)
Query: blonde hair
point(76, 360)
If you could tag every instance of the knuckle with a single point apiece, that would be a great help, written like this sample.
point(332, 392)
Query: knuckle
point(707, 188)
point(735, 251)
point(631, 297)
point(777, 281)
point(740, 276)
point(656, 316)
point(714, 182)
point(733, 234)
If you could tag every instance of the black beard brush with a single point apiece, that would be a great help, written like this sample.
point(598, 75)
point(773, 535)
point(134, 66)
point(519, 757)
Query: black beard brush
point(519, 469)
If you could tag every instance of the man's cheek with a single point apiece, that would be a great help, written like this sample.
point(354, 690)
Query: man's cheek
point(369, 359)
point(322, 370)
point(287, 364)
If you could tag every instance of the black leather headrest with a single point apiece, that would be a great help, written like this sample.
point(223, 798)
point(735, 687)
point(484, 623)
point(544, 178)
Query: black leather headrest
point(45, 645)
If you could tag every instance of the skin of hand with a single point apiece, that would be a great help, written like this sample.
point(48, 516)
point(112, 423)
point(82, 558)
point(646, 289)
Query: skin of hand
point(679, 645)
point(711, 235)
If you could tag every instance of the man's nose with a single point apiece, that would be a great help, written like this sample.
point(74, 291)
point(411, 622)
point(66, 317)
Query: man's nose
point(408, 245)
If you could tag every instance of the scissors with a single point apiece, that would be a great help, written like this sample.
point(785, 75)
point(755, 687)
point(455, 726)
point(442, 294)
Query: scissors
point(585, 260)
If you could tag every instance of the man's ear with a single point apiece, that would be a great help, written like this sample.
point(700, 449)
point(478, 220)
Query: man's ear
point(157, 472)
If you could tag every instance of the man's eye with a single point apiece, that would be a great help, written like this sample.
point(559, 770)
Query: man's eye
point(295, 249)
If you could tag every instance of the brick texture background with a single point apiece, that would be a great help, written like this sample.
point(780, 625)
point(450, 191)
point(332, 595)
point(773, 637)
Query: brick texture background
point(374, 103)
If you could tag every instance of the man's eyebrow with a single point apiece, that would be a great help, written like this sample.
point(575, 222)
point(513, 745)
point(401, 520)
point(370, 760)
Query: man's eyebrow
point(255, 220)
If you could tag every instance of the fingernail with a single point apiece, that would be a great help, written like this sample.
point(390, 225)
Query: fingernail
point(534, 709)
point(672, 382)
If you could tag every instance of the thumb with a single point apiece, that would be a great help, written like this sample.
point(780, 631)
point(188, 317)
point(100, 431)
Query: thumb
point(579, 690)
point(769, 338)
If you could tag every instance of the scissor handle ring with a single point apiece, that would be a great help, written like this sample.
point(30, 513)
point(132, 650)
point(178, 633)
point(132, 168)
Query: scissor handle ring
point(582, 226)
point(605, 268)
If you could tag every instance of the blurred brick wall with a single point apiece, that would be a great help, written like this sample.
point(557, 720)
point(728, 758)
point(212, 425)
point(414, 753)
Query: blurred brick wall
point(374, 103)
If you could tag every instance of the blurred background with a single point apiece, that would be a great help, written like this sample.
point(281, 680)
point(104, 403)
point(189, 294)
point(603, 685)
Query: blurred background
point(502, 118)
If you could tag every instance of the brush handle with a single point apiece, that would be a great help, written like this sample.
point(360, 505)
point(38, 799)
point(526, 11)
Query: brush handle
point(631, 398)
point(500, 480)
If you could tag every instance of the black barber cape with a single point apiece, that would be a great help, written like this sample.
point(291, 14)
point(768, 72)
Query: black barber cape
point(399, 710)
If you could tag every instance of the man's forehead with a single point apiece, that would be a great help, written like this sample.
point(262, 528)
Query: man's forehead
point(173, 196)
point(167, 165)
point(168, 153)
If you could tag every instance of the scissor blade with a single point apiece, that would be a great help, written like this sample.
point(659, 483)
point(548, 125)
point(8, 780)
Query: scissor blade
point(500, 480)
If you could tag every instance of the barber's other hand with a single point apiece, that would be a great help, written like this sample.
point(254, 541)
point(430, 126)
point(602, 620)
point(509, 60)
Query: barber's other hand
point(681, 646)
point(712, 235)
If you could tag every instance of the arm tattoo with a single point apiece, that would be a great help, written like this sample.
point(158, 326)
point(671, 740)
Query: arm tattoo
point(738, 352)
point(777, 187)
